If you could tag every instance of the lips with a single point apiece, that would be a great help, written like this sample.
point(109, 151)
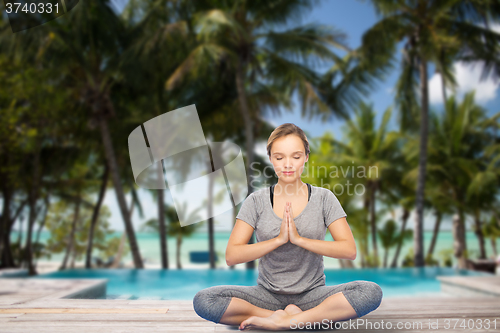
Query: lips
point(288, 173)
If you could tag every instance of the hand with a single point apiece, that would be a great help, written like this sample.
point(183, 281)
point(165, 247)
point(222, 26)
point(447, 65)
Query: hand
point(283, 236)
point(292, 230)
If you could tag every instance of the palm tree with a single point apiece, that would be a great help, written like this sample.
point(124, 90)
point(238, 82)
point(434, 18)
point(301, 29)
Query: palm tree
point(429, 28)
point(458, 162)
point(375, 151)
point(259, 58)
point(389, 237)
point(89, 40)
point(491, 230)
point(174, 227)
point(86, 44)
point(267, 66)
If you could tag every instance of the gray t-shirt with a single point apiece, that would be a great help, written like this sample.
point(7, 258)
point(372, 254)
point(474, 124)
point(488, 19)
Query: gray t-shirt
point(290, 269)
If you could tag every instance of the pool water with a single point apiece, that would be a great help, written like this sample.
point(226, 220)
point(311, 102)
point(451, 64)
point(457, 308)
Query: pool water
point(184, 284)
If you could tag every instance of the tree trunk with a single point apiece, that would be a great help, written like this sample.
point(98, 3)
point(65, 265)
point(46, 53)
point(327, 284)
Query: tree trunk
point(234, 221)
point(178, 254)
point(366, 206)
point(4, 218)
point(47, 206)
point(119, 254)
point(5, 227)
point(458, 240)
point(211, 249)
point(115, 177)
point(386, 254)
point(494, 246)
point(162, 229)
point(373, 189)
point(73, 256)
point(69, 247)
point(435, 233)
point(95, 215)
point(422, 163)
point(33, 197)
point(480, 236)
point(344, 263)
point(249, 140)
point(42, 224)
point(406, 214)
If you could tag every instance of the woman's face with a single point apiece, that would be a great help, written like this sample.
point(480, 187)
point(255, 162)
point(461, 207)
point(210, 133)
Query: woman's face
point(288, 158)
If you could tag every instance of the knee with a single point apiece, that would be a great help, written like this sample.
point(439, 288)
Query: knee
point(372, 293)
point(376, 293)
point(210, 303)
point(201, 302)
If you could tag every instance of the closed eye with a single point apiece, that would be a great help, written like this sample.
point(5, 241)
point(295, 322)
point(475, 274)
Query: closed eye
point(294, 157)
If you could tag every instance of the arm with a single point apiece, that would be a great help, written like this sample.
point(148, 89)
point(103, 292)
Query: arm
point(239, 251)
point(344, 246)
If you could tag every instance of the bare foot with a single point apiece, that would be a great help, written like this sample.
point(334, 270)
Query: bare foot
point(279, 320)
point(292, 309)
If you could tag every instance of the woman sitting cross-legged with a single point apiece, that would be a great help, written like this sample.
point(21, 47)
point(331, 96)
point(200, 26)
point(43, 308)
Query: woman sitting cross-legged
point(290, 220)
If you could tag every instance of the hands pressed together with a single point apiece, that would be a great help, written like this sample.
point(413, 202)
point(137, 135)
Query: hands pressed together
point(288, 231)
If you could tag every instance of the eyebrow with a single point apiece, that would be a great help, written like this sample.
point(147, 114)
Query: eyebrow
point(295, 152)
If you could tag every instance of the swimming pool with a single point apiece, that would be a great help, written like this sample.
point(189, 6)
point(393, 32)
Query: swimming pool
point(184, 284)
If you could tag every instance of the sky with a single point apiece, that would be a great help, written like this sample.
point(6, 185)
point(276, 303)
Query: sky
point(353, 18)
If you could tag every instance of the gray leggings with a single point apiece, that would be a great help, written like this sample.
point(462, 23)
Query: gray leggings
point(211, 303)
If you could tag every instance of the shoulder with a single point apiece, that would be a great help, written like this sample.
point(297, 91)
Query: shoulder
point(325, 196)
point(260, 192)
point(258, 195)
point(322, 192)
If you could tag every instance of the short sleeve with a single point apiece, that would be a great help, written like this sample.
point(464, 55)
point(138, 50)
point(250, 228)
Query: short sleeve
point(332, 209)
point(248, 211)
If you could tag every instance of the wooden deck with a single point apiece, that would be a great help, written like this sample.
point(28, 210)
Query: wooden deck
point(29, 306)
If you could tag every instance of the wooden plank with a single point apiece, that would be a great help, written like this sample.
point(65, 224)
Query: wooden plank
point(110, 324)
point(80, 310)
point(46, 318)
point(84, 328)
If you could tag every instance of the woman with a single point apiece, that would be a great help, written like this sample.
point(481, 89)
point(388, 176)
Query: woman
point(290, 220)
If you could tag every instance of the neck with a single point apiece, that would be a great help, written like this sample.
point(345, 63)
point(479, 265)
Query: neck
point(290, 188)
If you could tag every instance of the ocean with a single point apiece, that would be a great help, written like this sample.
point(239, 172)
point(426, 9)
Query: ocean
point(149, 247)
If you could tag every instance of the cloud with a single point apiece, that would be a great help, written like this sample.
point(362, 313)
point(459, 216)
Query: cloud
point(261, 148)
point(495, 27)
point(467, 77)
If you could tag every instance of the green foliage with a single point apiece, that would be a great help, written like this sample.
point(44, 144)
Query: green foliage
point(431, 261)
point(59, 222)
point(408, 260)
point(491, 229)
point(39, 250)
point(173, 226)
point(371, 260)
point(446, 256)
point(388, 235)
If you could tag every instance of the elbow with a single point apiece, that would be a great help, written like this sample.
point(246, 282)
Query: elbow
point(229, 259)
point(353, 254)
